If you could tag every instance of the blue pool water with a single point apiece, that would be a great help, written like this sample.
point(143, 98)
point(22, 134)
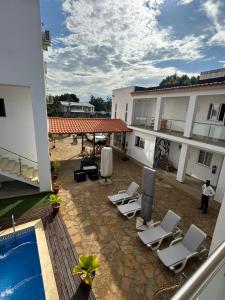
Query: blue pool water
point(20, 270)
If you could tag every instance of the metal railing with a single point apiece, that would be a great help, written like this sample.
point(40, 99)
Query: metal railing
point(22, 160)
point(197, 287)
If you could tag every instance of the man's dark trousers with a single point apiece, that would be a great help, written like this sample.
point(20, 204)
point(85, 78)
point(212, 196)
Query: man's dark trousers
point(204, 203)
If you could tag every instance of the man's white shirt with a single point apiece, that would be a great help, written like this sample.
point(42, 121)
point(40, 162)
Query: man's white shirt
point(208, 190)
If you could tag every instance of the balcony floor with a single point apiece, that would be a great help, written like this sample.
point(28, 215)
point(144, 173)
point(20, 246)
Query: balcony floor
point(207, 140)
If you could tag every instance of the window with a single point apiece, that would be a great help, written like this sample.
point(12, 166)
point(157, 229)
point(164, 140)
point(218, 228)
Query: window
point(139, 142)
point(126, 116)
point(205, 158)
point(115, 115)
point(126, 112)
point(2, 108)
point(216, 112)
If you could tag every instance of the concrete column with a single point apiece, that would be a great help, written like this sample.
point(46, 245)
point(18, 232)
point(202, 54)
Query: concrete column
point(41, 138)
point(219, 232)
point(220, 189)
point(182, 163)
point(158, 113)
point(190, 116)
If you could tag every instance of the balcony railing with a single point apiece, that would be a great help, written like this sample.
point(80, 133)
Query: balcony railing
point(208, 131)
point(144, 121)
point(172, 124)
point(208, 281)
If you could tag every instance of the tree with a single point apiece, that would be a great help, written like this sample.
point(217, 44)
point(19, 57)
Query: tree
point(68, 97)
point(98, 103)
point(108, 104)
point(175, 80)
point(53, 110)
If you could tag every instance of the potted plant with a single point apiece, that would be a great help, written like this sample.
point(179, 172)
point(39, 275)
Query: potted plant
point(55, 165)
point(86, 269)
point(55, 188)
point(55, 201)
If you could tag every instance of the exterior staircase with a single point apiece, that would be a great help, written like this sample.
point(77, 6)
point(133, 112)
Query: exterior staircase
point(17, 167)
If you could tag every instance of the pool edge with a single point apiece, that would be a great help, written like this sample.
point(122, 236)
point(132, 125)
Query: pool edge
point(50, 288)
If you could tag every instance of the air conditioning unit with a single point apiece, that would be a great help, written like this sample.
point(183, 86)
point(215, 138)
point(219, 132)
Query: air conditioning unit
point(46, 39)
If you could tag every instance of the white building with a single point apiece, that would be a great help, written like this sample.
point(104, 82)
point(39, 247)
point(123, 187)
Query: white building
point(186, 124)
point(24, 154)
point(76, 109)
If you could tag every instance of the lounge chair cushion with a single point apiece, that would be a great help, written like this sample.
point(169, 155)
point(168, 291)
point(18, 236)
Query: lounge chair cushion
point(129, 207)
point(152, 234)
point(170, 221)
point(173, 254)
point(193, 238)
point(118, 197)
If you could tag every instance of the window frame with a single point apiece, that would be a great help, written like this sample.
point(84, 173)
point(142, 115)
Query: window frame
point(206, 156)
point(214, 112)
point(2, 103)
point(139, 142)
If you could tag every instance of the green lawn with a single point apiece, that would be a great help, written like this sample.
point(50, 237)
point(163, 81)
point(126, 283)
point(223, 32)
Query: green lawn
point(19, 205)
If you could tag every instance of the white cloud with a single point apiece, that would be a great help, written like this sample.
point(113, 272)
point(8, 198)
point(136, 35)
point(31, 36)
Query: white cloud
point(115, 43)
point(215, 12)
point(185, 2)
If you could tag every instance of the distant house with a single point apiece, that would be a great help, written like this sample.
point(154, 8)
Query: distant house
point(75, 109)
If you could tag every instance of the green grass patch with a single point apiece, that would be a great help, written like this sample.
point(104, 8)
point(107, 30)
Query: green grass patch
point(20, 205)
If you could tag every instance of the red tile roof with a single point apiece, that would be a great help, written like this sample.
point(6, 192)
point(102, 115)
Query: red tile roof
point(78, 125)
point(181, 88)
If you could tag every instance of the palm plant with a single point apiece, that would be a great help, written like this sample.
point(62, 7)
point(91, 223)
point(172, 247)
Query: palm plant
point(86, 268)
point(54, 199)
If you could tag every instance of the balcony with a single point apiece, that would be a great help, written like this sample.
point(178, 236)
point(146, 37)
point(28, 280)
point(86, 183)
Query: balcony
point(202, 132)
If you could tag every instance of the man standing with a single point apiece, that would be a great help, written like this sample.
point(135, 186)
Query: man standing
point(207, 191)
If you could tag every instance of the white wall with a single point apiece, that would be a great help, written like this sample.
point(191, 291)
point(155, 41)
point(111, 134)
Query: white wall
point(144, 108)
point(220, 190)
point(171, 107)
point(121, 97)
point(21, 62)
point(200, 171)
point(146, 155)
point(203, 103)
point(17, 128)
point(174, 154)
point(193, 167)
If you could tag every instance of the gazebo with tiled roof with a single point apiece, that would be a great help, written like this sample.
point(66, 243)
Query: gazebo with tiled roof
point(82, 126)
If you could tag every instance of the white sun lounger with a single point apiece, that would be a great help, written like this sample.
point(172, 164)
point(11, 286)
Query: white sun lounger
point(157, 232)
point(125, 195)
point(181, 250)
point(130, 209)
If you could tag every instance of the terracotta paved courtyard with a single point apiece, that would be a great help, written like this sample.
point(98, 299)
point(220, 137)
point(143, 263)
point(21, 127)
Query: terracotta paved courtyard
point(128, 270)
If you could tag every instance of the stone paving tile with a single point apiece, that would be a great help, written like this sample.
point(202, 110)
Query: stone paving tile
point(128, 270)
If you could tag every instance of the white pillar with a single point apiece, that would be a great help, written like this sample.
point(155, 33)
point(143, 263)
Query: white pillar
point(190, 116)
point(219, 232)
point(220, 189)
point(158, 113)
point(182, 163)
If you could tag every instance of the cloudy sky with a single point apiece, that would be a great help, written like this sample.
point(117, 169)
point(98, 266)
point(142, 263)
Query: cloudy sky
point(99, 45)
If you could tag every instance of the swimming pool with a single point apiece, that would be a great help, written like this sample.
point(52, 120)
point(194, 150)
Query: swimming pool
point(20, 270)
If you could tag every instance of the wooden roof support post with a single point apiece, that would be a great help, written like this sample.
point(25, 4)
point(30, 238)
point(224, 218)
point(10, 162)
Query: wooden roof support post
point(82, 142)
point(94, 146)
